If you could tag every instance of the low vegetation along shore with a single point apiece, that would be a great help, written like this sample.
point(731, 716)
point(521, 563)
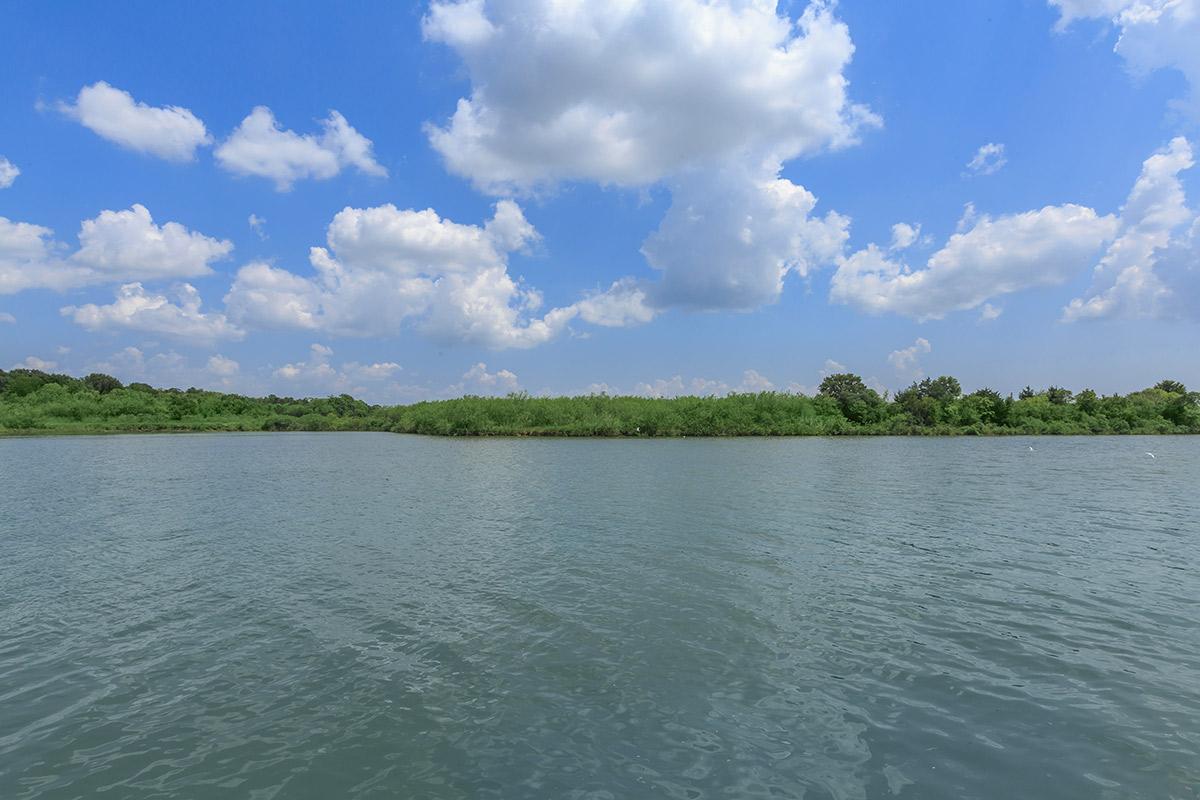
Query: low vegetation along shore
point(34, 402)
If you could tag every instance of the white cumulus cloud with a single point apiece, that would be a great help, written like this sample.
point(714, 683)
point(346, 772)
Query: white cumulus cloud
point(710, 98)
point(258, 225)
point(478, 380)
point(8, 173)
point(904, 235)
point(906, 361)
point(222, 366)
point(135, 309)
point(622, 304)
point(988, 160)
point(115, 246)
point(30, 259)
point(318, 374)
point(729, 241)
point(386, 268)
point(1152, 267)
point(169, 368)
point(675, 386)
point(33, 362)
point(1148, 257)
point(1152, 35)
point(989, 257)
point(128, 245)
point(258, 146)
point(989, 312)
point(629, 93)
point(169, 132)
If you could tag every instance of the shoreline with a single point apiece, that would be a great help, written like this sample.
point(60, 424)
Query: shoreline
point(36, 403)
point(41, 434)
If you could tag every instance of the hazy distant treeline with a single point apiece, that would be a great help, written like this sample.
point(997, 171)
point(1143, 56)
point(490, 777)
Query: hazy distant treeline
point(32, 401)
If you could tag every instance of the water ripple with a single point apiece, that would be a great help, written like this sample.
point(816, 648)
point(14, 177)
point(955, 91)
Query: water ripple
point(360, 616)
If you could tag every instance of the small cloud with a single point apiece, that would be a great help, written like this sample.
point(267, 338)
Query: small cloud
point(968, 218)
point(666, 387)
point(8, 173)
point(906, 361)
point(989, 312)
point(903, 235)
point(988, 160)
point(316, 369)
point(260, 147)
point(478, 376)
point(222, 366)
point(257, 224)
point(168, 132)
point(33, 362)
point(753, 381)
point(7, 318)
point(380, 370)
point(832, 367)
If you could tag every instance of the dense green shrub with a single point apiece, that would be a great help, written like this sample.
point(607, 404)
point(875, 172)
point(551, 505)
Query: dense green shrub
point(33, 401)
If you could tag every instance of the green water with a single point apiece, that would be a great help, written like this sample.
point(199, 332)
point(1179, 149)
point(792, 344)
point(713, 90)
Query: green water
point(373, 615)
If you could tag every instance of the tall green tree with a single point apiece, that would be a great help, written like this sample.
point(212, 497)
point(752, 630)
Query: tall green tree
point(102, 383)
point(857, 401)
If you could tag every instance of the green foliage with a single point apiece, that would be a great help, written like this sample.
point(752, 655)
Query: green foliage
point(1058, 395)
point(35, 402)
point(857, 402)
point(102, 383)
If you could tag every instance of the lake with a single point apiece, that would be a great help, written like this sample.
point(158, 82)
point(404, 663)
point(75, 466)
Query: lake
point(376, 615)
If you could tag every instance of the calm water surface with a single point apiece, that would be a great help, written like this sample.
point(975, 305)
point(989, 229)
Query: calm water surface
point(372, 615)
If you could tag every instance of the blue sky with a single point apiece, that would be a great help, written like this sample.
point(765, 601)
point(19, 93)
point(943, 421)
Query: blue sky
point(667, 197)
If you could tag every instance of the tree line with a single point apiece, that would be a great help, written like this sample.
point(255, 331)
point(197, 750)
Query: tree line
point(33, 401)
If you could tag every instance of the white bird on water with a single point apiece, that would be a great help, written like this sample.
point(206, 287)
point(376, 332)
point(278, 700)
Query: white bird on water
point(1152, 455)
point(1031, 448)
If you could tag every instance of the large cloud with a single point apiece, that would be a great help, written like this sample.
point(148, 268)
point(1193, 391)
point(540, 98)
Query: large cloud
point(116, 246)
point(258, 146)
point(991, 257)
point(1151, 268)
point(128, 244)
point(29, 259)
point(728, 241)
point(386, 268)
point(1153, 34)
point(629, 93)
point(169, 132)
point(709, 97)
point(135, 309)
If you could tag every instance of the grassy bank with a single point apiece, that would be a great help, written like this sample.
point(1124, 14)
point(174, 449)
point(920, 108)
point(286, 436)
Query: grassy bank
point(33, 402)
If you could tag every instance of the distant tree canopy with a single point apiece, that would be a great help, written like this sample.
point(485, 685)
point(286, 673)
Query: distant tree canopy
point(35, 401)
point(102, 383)
point(857, 401)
